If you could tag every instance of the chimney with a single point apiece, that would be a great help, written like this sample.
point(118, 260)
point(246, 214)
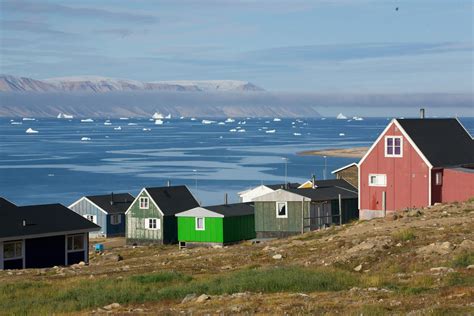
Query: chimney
point(226, 199)
point(111, 198)
point(313, 180)
point(422, 113)
point(168, 183)
point(24, 222)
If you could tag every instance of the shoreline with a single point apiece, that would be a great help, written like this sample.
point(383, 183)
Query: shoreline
point(354, 152)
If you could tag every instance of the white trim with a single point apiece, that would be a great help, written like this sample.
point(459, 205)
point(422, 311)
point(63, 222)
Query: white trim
point(85, 198)
point(438, 178)
point(198, 212)
point(91, 218)
point(281, 195)
point(146, 202)
point(377, 175)
point(277, 209)
point(70, 232)
point(412, 143)
point(75, 250)
point(375, 143)
point(157, 224)
point(138, 196)
point(345, 167)
point(401, 146)
point(203, 223)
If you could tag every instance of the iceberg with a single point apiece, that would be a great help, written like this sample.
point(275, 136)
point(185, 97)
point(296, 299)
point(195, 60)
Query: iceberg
point(85, 139)
point(87, 120)
point(233, 130)
point(118, 128)
point(64, 116)
point(230, 120)
point(124, 118)
point(107, 123)
point(158, 122)
point(146, 129)
point(158, 116)
point(168, 116)
point(357, 118)
point(28, 119)
point(221, 123)
point(132, 124)
point(342, 134)
point(16, 123)
point(31, 131)
point(276, 119)
point(193, 118)
point(297, 134)
point(270, 131)
point(241, 130)
point(181, 117)
point(341, 116)
point(206, 122)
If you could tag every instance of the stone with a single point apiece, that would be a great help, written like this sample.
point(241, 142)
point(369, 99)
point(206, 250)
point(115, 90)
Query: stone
point(113, 257)
point(111, 306)
point(414, 213)
point(217, 246)
point(398, 245)
point(466, 244)
point(441, 269)
point(188, 298)
point(277, 256)
point(82, 263)
point(268, 248)
point(236, 309)
point(439, 248)
point(358, 268)
point(470, 267)
point(203, 298)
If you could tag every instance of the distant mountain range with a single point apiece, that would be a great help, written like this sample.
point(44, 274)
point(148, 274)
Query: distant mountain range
point(98, 84)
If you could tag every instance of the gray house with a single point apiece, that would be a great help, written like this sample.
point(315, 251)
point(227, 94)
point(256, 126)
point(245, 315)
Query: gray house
point(107, 211)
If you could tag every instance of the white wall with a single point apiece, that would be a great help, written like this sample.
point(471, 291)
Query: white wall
point(248, 196)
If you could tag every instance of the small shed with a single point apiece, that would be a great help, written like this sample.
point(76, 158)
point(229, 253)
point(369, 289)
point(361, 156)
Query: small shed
point(107, 211)
point(287, 212)
point(151, 217)
point(41, 236)
point(218, 224)
point(248, 195)
point(350, 173)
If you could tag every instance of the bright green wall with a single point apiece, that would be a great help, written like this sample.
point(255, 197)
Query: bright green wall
point(214, 230)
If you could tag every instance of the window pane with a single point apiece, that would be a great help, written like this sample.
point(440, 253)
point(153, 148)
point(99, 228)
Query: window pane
point(18, 250)
point(397, 141)
point(200, 223)
point(9, 251)
point(389, 150)
point(78, 242)
point(282, 210)
point(397, 151)
point(69, 243)
point(389, 141)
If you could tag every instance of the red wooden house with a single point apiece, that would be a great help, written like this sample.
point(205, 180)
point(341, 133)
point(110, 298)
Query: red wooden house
point(416, 163)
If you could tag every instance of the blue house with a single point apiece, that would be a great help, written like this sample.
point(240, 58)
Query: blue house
point(107, 211)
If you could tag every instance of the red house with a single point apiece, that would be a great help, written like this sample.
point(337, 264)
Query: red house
point(416, 163)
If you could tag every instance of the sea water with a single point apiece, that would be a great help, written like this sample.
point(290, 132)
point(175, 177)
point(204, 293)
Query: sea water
point(67, 159)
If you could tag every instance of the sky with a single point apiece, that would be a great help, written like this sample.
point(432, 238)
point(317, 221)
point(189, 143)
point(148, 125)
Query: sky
point(319, 46)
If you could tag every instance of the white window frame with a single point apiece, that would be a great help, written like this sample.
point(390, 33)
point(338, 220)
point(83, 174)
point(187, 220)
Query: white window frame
point(16, 257)
point(203, 223)
point(378, 184)
point(146, 201)
point(90, 217)
point(277, 210)
point(393, 155)
point(157, 225)
point(72, 248)
point(439, 178)
point(115, 219)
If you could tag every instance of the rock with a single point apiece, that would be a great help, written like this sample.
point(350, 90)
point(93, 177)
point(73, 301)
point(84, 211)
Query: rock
point(441, 269)
point(111, 306)
point(466, 245)
point(372, 289)
point(203, 298)
point(188, 298)
point(112, 257)
point(440, 248)
point(414, 213)
point(398, 245)
point(82, 263)
point(228, 267)
point(358, 268)
point(268, 248)
point(236, 309)
point(277, 256)
point(470, 267)
point(217, 246)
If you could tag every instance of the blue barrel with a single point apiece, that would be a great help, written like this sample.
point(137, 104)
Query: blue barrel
point(99, 247)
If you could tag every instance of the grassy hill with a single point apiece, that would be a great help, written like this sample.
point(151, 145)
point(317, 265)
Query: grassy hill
point(417, 262)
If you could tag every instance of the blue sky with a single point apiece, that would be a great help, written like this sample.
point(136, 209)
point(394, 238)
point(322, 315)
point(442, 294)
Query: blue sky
point(319, 46)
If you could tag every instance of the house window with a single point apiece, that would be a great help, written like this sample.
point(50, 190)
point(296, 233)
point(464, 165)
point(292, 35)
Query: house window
point(144, 203)
point(13, 250)
point(281, 210)
point(115, 219)
point(200, 224)
point(439, 178)
point(92, 218)
point(75, 243)
point(152, 223)
point(393, 146)
point(377, 180)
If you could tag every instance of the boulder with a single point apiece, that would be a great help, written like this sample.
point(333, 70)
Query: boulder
point(470, 267)
point(466, 244)
point(111, 306)
point(358, 268)
point(188, 298)
point(112, 257)
point(438, 248)
point(203, 298)
point(277, 256)
point(441, 269)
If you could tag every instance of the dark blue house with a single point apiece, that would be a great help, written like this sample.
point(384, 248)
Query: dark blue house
point(41, 236)
point(107, 211)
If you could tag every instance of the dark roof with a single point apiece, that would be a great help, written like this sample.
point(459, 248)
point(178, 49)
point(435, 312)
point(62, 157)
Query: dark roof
point(5, 203)
point(41, 219)
point(325, 193)
point(282, 185)
point(173, 199)
point(229, 210)
point(444, 142)
point(121, 202)
point(335, 182)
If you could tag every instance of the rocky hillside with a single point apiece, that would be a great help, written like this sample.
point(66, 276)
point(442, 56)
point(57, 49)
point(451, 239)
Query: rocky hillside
point(98, 84)
point(420, 262)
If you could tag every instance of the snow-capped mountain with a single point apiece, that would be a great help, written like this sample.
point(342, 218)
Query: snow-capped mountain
point(105, 84)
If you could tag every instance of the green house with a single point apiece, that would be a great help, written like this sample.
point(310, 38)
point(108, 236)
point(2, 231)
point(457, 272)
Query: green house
point(150, 219)
point(216, 225)
point(287, 212)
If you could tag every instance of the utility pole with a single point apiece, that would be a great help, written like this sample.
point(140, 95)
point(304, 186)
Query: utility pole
point(325, 166)
point(286, 170)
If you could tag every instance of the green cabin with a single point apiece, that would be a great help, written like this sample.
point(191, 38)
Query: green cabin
point(216, 225)
point(150, 219)
point(287, 212)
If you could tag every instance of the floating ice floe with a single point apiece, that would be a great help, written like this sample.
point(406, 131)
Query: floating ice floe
point(233, 130)
point(357, 118)
point(168, 116)
point(158, 122)
point(107, 122)
point(132, 124)
point(85, 139)
point(220, 137)
point(146, 129)
point(193, 118)
point(270, 131)
point(266, 122)
point(221, 123)
point(124, 118)
point(206, 122)
point(16, 123)
point(242, 123)
point(64, 116)
point(241, 130)
point(297, 134)
point(28, 119)
point(230, 120)
point(342, 134)
point(31, 131)
point(341, 116)
point(264, 127)
point(157, 116)
point(118, 128)
point(181, 117)
point(87, 120)
point(323, 118)
point(276, 119)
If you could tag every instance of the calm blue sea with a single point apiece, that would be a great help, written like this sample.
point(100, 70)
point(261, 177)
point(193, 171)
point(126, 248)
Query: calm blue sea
point(54, 165)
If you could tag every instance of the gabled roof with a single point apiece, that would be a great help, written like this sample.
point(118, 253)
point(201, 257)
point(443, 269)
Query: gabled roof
point(444, 142)
point(5, 203)
point(344, 167)
point(172, 199)
point(282, 186)
point(326, 193)
point(121, 202)
point(331, 183)
point(48, 219)
point(224, 210)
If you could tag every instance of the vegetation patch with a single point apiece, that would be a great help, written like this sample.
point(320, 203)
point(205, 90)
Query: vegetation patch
point(404, 235)
point(167, 276)
point(463, 260)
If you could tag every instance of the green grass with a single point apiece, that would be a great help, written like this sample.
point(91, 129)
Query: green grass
point(70, 296)
point(460, 279)
point(404, 235)
point(463, 260)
